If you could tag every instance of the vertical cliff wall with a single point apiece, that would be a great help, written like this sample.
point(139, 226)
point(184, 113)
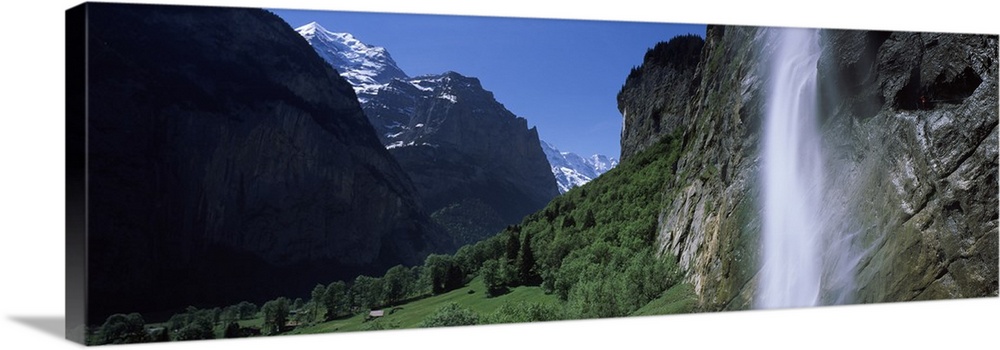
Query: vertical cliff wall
point(908, 124)
point(913, 120)
point(227, 161)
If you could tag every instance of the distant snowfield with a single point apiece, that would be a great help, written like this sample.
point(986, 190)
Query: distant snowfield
point(366, 67)
point(370, 69)
point(572, 170)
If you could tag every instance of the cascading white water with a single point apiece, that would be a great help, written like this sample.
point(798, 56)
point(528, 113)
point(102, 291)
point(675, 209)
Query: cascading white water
point(793, 176)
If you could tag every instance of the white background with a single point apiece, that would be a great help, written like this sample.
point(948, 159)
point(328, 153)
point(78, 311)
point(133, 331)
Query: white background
point(32, 197)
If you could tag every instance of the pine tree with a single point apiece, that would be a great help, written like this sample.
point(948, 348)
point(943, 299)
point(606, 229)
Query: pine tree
point(513, 245)
point(568, 221)
point(527, 274)
point(588, 219)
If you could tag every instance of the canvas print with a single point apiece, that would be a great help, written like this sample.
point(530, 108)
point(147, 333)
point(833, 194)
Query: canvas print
point(239, 172)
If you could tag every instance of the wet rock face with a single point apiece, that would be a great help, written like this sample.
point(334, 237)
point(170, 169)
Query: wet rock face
point(712, 224)
point(228, 162)
point(927, 161)
point(908, 122)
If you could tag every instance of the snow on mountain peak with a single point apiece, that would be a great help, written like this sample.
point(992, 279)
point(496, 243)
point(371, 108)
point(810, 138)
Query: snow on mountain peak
point(572, 170)
point(310, 29)
point(603, 163)
point(366, 67)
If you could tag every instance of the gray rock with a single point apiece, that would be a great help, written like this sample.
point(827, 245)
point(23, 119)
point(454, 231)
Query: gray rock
point(459, 145)
point(654, 100)
point(228, 162)
point(909, 124)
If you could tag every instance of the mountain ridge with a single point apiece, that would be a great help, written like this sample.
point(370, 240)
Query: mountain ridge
point(364, 66)
point(572, 170)
point(454, 139)
point(219, 178)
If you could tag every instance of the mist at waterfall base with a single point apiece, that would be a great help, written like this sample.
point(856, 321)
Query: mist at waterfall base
point(807, 259)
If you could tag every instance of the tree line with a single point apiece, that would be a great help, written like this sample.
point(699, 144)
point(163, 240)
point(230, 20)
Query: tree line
point(594, 247)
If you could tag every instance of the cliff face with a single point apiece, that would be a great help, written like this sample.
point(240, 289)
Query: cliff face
point(476, 166)
point(654, 97)
point(712, 221)
point(460, 146)
point(915, 120)
point(908, 123)
point(227, 161)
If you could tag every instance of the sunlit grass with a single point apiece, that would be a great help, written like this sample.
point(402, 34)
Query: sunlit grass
point(678, 299)
point(411, 314)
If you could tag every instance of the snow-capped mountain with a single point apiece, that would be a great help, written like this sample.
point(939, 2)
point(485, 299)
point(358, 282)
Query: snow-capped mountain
point(390, 98)
point(416, 112)
point(572, 170)
point(366, 67)
point(603, 163)
point(466, 154)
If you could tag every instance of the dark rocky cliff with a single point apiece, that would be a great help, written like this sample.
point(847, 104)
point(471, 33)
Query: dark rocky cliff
point(915, 123)
point(656, 94)
point(909, 123)
point(227, 161)
point(477, 166)
point(469, 157)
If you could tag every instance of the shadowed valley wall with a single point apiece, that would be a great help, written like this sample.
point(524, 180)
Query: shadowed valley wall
point(227, 161)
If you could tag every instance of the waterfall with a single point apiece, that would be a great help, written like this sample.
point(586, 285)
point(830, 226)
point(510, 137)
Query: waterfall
point(792, 176)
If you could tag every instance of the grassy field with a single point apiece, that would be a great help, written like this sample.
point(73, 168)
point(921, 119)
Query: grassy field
point(679, 299)
point(410, 315)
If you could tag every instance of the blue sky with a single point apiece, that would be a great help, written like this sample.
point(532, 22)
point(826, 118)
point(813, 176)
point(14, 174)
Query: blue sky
point(560, 75)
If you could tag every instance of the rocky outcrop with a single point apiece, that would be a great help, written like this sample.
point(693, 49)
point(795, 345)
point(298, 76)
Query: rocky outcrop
point(459, 145)
point(654, 97)
point(468, 155)
point(711, 222)
point(227, 161)
point(917, 135)
point(908, 121)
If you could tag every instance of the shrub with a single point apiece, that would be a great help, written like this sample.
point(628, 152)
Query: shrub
point(451, 315)
point(524, 312)
point(123, 329)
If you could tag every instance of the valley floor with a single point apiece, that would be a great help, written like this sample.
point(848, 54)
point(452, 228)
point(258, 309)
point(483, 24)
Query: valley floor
point(676, 300)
